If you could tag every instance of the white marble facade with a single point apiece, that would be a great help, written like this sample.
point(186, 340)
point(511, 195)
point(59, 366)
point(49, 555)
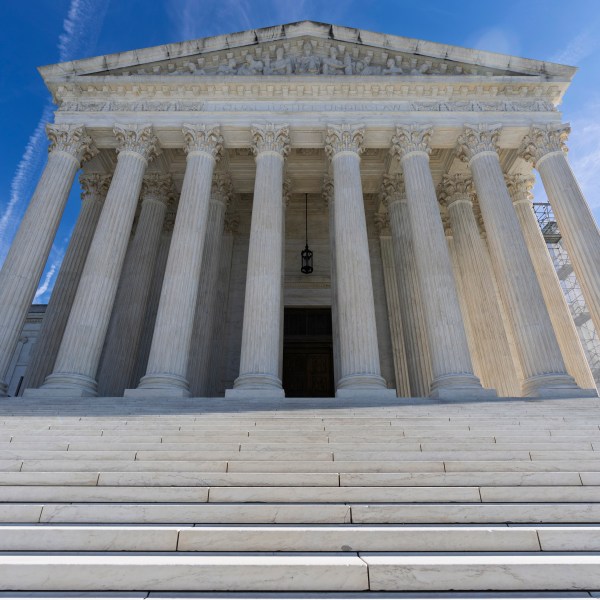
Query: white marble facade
point(196, 159)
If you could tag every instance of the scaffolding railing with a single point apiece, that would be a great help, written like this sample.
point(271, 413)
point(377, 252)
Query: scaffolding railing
point(570, 286)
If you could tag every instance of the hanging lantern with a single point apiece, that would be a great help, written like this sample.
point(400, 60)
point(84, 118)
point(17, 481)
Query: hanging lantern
point(306, 254)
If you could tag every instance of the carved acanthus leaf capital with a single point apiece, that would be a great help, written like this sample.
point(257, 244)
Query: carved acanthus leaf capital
point(221, 189)
point(414, 138)
point(203, 138)
point(94, 186)
point(137, 138)
point(71, 139)
point(474, 140)
point(542, 140)
point(519, 187)
point(287, 191)
point(157, 187)
point(382, 221)
point(346, 137)
point(232, 221)
point(327, 190)
point(455, 188)
point(271, 137)
point(392, 189)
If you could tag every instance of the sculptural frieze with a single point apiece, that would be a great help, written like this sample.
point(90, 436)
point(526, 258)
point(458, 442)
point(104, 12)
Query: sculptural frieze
point(308, 57)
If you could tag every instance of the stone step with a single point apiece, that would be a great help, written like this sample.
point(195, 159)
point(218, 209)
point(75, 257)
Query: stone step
point(358, 513)
point(435, 572)
point(182, 571)
point(277, 476)
point(302, 538)
point(300, 571)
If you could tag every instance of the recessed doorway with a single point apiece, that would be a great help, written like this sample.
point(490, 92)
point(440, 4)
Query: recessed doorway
point(307, 353)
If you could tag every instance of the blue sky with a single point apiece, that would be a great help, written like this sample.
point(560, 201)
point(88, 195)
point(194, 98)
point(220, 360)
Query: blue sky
point(39, 32)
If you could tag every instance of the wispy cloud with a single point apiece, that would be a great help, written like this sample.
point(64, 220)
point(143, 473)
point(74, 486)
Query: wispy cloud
point(80, 31)
point(579, 48)
point(198, 18)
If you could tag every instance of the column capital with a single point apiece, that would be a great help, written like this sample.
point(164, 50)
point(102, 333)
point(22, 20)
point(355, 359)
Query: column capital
point(476, 140)
point(72, 140)
point(139, 139)
point(271, 137)
point(519, 187)
point(327, 190)
point(392, 189)
point(410, 139)
point(203, 138)
point(456, 188)
point(157, 187)
point(382, 221)
point(345, 137)
point(221, 188)
point(543, 140)
point(287, 191)
point(94, 186)
point(232, 220)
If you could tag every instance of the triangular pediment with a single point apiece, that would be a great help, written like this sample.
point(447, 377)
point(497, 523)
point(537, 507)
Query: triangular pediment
point(306, 49)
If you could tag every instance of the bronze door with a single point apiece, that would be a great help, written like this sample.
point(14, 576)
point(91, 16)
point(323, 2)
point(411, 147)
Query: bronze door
point(308, 353)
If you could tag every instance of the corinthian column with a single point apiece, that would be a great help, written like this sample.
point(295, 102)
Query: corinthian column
point(418, 361)
point(169, 354)
point(359, 353)
point(94, 186)
point(204, 321)
point(490, 344)
point(261, 335)
point(382, 222)
point(77, 361)
point(543, 367)
point(519, 187)
point(451, 365)
point(125, 328)
point(24, 264)
point(545, 147)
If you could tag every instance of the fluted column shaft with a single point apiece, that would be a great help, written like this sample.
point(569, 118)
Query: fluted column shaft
point(416, 346)
point(556, 303)
point(545, 148)
point(335, 326)
point(489, 339)
point(204, 320)
point(31, 246)
point(393, 306)
point(215, 372)
point(169, 353)
point(359, 352)
point(543, 367)
point(77, 361)
point(259, 360)
point(125, 328)
point(158, 275)
point(451, 365)
point(57, 312)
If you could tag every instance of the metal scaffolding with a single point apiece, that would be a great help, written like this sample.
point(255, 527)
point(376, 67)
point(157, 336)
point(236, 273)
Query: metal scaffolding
point(564, 269)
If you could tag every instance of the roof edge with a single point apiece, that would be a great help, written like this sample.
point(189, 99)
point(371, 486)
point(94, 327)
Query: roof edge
point(298, 29)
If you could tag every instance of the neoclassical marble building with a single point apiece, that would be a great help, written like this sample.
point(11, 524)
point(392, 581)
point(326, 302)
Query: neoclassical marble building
point(205, 164)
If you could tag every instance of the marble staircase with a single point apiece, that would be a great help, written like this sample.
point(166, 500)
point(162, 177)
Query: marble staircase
point(265, 499)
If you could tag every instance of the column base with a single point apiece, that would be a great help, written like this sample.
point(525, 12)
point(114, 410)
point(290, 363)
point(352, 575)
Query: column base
point(3, 389)
point(460, 386)
point(66, 385)
point(363, 385)
point(256, 385)
point(160, 384)
point(555, 385)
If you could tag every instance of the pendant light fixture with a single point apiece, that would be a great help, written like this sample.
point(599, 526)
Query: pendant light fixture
point(307, 255)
